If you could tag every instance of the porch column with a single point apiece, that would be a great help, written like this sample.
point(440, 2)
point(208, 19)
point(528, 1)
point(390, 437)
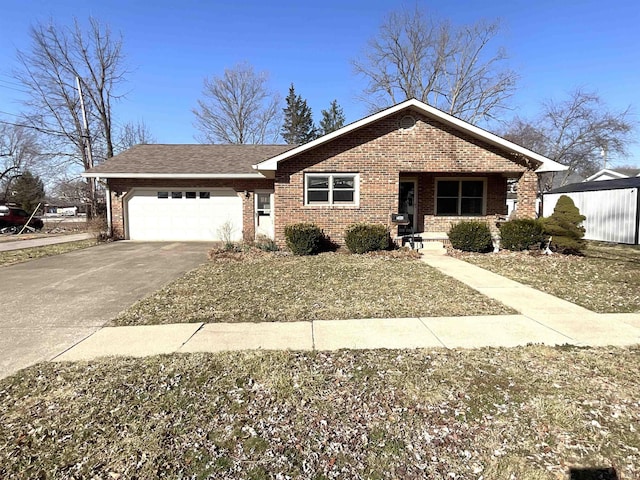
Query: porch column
point(527, 195)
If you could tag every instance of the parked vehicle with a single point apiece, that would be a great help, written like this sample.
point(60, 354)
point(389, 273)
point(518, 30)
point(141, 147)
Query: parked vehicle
point(12, 219)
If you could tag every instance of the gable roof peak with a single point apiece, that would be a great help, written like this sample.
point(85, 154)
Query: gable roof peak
point(546, 164)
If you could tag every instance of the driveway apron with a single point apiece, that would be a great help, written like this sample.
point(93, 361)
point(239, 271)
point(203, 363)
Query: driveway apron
point(52, 303)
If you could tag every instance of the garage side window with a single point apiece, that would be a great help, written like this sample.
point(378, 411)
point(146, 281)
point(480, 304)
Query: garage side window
point(176, 194)
point(205, 195)
point(163, 194)
point(331, 189)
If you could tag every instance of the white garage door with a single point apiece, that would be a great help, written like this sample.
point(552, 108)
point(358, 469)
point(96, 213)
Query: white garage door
point(188, 214)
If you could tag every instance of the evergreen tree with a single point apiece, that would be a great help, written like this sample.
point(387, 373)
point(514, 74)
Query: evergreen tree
point(565, 227)
point(298, 122)
point(27, 191)
point(332, 119)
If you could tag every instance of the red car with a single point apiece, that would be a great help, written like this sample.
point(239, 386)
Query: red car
point(12, 219)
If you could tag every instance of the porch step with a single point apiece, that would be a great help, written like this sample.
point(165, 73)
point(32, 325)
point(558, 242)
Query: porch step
point(433, 247)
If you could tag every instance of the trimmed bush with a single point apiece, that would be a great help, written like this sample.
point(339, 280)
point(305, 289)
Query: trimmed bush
point(471, 236)
point(521, 234)
point(366, 237)
point(303, 238)
point(564, 227)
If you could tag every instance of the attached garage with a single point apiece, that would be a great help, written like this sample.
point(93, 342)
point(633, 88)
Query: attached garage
point(189, 192)
point(168, 213)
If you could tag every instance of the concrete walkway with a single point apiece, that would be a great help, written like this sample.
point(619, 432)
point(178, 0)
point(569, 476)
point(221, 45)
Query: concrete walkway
point(541, 318)
point(19, 244)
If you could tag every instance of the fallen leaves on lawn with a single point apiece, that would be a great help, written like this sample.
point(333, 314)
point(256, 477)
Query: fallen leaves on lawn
point(281, 288)
point(605, 280)
point(527, 413)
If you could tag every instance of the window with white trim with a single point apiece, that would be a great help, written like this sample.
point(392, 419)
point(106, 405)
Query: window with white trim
point(331, 189)
point(460, 197)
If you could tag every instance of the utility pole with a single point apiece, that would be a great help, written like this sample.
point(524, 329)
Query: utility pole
point(87, 152)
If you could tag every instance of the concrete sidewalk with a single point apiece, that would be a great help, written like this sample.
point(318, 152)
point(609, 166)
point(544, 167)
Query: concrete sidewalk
point(541, 318)
point(41, 242)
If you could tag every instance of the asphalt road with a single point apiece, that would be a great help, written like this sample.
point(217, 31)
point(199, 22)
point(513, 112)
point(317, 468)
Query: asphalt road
point(48, 305)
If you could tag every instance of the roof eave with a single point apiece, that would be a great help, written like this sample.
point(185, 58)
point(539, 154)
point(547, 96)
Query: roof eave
point(547, 165)
point(205, 176)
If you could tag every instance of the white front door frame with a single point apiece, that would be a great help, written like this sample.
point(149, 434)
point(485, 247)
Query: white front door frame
point(260, 215)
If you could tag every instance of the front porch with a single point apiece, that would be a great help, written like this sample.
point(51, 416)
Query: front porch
point(435, 201)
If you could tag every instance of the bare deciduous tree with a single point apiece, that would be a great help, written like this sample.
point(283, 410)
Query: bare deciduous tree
point(450, 68)
point(134, 133)
point(579, 132)
point(238, 108)
point(19, 151)
point(48, 71)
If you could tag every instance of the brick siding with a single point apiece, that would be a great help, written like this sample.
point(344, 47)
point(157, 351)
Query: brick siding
point(382, 153)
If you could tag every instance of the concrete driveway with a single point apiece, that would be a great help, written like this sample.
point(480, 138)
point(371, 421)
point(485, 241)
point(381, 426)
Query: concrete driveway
point(50, 304)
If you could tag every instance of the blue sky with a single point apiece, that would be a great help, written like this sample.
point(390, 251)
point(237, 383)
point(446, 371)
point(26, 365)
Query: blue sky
point(171, 46)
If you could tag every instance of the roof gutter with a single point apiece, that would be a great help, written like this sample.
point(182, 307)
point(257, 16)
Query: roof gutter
point(173, 176)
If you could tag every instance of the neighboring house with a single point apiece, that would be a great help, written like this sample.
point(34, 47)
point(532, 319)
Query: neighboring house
point(613, 174)
point(63, 207)
point(410, 158)
point(611, 208)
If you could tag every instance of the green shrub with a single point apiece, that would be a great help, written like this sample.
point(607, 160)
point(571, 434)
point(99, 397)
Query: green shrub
point(471, 236)
point(564, 227)
point(366, 237)
point(521, 234)
point(303, 238)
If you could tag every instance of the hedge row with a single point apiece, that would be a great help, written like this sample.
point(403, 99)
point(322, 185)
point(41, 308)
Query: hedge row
point(562, 230)
point(308, 239)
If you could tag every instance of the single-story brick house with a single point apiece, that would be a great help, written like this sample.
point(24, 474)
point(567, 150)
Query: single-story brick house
point(410, 158)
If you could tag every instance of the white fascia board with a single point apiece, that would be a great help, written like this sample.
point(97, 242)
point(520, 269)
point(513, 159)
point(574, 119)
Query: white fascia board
point(212, 176)
point(604, 171)
point(548, 165)
point(272, 163)
point(551, 166)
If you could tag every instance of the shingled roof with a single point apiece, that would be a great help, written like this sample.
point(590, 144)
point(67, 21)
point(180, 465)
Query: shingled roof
point(162, 160)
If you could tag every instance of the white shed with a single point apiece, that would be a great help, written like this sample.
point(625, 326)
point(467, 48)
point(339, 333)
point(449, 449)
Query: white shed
point(612, 208)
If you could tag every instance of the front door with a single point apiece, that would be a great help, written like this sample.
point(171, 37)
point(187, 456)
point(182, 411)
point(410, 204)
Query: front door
point(264, 214)
point(407, 204)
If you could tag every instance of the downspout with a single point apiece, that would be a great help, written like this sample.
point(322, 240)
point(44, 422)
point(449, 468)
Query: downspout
point(108, 202)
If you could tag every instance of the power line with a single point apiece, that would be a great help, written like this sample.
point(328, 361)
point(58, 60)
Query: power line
point(23, 125)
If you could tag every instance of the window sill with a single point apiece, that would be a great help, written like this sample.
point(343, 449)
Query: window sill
point(331, 207)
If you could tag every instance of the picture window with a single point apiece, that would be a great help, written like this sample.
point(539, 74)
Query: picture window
point(460, 197)
point(331, 189)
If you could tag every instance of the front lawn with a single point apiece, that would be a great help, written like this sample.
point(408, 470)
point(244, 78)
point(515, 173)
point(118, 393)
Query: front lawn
point(276, 288)
point(25, 254)
point(605, 280)
point(526, 413)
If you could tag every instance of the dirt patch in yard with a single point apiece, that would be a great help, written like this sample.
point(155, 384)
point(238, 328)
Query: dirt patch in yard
point(526, 413)
point(277, 288)
point(605, 280)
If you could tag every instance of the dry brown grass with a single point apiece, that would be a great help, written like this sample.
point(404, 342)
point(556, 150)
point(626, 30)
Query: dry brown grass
point(25, 254)
point(275, 288)
point(605, 280)
point(526, 413)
